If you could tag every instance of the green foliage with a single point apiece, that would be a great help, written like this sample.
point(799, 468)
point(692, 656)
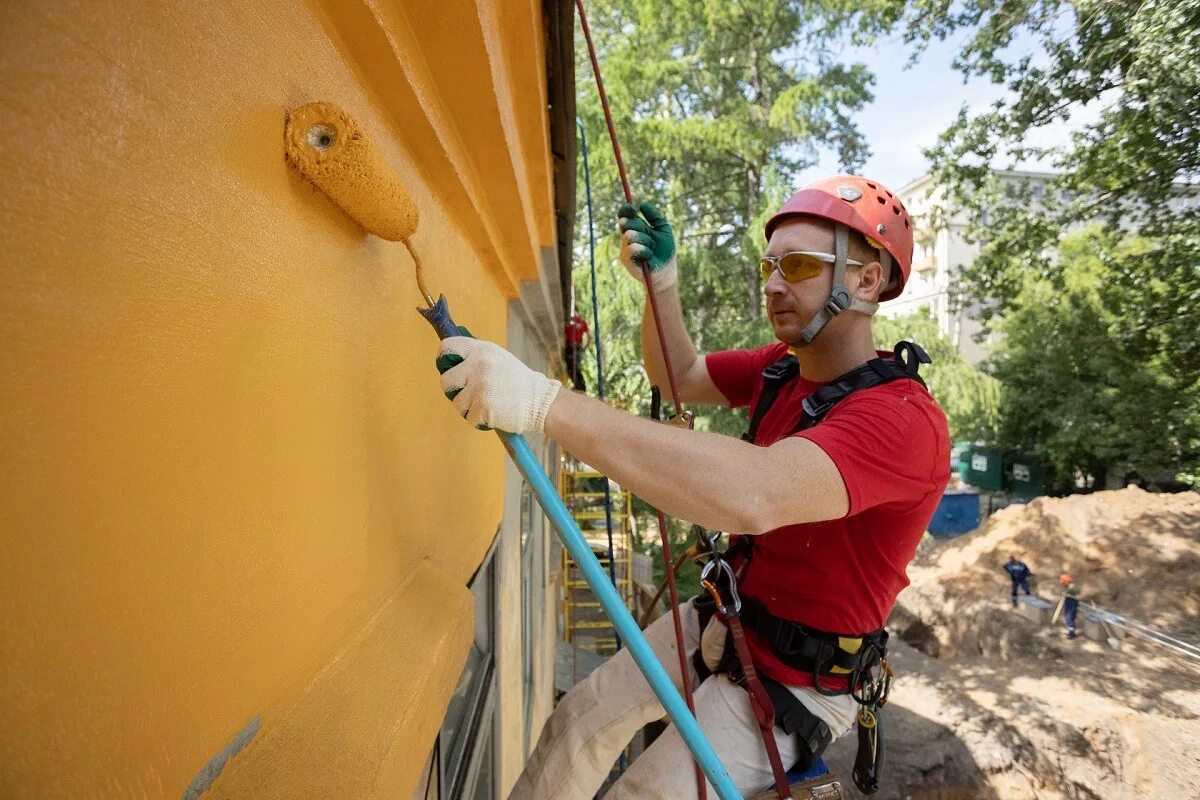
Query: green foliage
point(1101, 340)
point(717, 105)
point(1128, 66)
point(1074, 391)
point(969, 397)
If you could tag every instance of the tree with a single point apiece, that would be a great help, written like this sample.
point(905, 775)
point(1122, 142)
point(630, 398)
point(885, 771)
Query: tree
point(969, 396)
point(718, 105)
point(1073, 392)
point(1130, 65)
point(1130, 68)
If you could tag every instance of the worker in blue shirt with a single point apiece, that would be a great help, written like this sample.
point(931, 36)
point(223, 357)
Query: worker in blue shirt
point(1019, 572)
point(1070, 603)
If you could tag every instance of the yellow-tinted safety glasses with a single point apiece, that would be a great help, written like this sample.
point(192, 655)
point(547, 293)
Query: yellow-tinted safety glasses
point(800, 265)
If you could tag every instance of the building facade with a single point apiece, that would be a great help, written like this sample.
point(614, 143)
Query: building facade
point(939, 254)
point(941, 251)
point(249, 550)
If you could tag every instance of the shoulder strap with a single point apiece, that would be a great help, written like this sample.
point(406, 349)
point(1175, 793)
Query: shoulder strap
point(905, 363)
point(775, 377)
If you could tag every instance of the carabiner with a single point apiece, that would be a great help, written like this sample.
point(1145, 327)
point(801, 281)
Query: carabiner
point(721, 564)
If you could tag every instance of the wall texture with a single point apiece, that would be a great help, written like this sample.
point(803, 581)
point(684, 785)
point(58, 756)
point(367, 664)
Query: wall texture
point(234, 500)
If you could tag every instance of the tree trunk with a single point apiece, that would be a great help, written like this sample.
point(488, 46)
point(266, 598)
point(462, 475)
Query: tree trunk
point(753, 278)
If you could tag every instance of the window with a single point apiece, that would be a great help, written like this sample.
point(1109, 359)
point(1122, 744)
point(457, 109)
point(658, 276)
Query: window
point(462, 764)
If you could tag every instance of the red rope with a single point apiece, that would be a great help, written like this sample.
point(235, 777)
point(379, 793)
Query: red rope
point(612, 129)
point(664, 533)
point(616, 145)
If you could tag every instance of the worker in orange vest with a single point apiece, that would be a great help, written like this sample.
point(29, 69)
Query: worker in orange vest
point(1070, 603)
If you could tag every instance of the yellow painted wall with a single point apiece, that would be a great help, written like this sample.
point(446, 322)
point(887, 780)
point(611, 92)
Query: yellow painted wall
point(231, 488)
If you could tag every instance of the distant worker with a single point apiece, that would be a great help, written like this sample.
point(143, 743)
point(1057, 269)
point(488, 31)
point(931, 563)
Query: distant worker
point(1070, 603)
point(573, 334)
point(1019, 572)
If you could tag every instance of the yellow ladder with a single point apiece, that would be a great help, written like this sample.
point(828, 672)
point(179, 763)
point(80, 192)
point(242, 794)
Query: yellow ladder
point(585, 626)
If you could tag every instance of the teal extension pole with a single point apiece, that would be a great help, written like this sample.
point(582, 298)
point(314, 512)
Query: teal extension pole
point(572, 538)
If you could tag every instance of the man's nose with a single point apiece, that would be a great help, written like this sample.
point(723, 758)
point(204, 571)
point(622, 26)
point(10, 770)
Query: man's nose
point(776, 284)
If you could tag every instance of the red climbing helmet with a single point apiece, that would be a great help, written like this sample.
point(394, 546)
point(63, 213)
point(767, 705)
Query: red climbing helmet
point(861, 205)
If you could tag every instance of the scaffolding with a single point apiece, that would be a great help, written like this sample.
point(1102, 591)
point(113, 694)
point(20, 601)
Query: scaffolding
point(584, 624)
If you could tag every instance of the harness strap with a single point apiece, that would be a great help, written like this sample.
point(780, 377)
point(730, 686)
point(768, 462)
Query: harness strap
point(801, 647)
point(904, 364)
point(775, 377)
point(811, 732)
point(760, 704)
point(875, 372)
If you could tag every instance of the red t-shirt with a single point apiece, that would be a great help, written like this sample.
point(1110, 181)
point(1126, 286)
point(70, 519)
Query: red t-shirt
point(575, 329)
point(892, 447)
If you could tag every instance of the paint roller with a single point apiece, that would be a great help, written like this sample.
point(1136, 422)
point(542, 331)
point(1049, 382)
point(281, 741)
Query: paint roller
point(329, 148)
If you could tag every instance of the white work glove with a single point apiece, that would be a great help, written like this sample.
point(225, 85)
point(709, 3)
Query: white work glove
point(491, 388)
point(647, 239)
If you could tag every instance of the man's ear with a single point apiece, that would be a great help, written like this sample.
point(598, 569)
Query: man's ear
point(870, 281)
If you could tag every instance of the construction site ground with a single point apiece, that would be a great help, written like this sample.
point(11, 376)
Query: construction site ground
point(990, 704)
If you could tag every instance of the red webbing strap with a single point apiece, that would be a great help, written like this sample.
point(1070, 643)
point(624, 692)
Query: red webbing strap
point(760, 704)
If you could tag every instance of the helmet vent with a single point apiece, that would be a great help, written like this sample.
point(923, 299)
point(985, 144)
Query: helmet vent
point(882, 202)
point(896, 210)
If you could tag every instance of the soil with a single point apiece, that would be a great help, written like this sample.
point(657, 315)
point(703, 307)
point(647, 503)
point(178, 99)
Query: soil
point(990, 704)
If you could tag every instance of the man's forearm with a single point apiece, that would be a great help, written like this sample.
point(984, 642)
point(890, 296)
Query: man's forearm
point(701, 477)
point(679, 343)
point(716, 481)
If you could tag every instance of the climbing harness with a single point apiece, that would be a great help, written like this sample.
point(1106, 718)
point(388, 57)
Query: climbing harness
point(861, 660)
point(858, 659)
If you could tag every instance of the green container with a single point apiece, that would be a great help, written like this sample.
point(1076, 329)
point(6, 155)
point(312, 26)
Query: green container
point(985, 469)
point(960, 458)
point(1026, 480)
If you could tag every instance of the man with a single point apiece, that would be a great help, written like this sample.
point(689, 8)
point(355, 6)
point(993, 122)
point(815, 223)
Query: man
point(1070, 603)
point(833, 512)
point(1018, 571)
point(573, 333)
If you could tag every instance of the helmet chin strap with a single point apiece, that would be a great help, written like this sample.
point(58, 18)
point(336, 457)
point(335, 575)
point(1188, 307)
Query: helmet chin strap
point(839, 296)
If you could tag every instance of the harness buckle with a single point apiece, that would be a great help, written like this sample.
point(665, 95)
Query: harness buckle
point(782, 370)
point(819, 409)
point(825, 654)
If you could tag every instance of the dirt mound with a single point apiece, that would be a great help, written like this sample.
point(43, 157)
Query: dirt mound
point(1129, 551)
point(989, 704)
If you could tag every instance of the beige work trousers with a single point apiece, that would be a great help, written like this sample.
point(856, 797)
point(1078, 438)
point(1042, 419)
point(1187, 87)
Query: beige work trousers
point(596, 720)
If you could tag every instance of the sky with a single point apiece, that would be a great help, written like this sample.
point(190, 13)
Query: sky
point(912, 106)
